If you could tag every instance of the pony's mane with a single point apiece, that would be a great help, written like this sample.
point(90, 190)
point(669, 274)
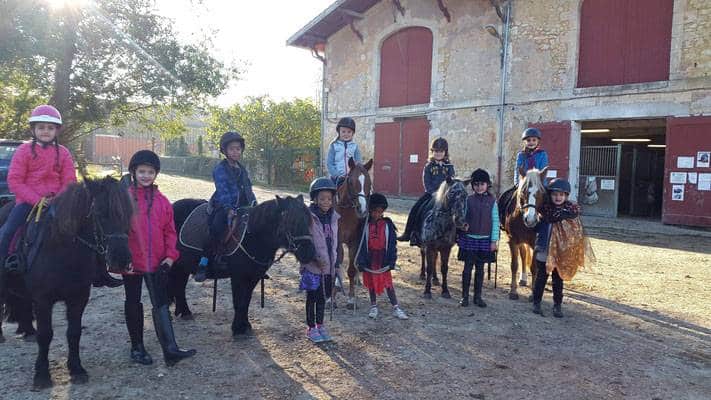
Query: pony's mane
point(533, 176)
point(267, 214)
point(441, 194)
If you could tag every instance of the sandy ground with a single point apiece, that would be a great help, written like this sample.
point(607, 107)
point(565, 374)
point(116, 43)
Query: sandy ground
point(638, 326)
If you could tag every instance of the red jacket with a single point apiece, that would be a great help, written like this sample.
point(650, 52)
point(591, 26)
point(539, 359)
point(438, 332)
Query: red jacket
point(30, 178)
point(152, 238)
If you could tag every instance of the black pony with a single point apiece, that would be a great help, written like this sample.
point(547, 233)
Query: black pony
point(87, 221)
point(277, 223)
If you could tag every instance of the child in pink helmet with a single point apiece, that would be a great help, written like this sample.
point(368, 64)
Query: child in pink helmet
point(40, 168)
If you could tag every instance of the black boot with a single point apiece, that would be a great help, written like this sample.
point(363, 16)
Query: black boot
point(134, 323)
point(166, 337)
point(478, 286)
point(557, 312)
point(537, 309)
point(466, 282)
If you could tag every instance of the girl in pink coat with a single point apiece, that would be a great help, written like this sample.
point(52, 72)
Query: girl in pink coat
point(152, 241)
point(40, 168)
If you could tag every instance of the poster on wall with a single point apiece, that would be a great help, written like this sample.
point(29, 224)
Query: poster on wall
point(692, 177)
point(703, 158)
point(704, 182)
point(677, 177)
point(678, 192)
point(607, 184)
point(685, 162)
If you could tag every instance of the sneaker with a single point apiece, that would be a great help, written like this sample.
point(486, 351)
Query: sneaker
point(314, 335)
point(324, 333)
point(399, 313)
point(373, 312)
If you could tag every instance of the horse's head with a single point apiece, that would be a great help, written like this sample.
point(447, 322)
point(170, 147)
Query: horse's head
point(356, 189)
point(293, 229)
point(452, 197)
point(98, 213)
point(530, 195)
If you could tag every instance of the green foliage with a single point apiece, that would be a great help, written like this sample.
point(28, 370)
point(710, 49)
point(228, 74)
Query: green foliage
point(102, 65)
point(200, 146)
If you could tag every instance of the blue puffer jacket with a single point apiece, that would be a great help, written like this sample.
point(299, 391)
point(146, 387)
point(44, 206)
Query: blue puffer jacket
point(363, 257)
point(233, 188)
point(539, 160)
point(435, 173)
point(338, 154)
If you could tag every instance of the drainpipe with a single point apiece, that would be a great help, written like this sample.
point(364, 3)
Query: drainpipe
point(324, 108)
point(502, 102)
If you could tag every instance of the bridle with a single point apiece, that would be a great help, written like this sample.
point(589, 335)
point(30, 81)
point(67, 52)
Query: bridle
point(99, 245)
point(292, 247)
point(353, 197)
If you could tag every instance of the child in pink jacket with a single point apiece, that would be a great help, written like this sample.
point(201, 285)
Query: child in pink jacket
point(41, 168)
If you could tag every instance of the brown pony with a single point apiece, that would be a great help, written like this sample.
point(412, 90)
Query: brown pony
point(519, 219)
point(352, 205)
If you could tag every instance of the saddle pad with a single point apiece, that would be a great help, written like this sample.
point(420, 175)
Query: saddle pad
point(195, 232)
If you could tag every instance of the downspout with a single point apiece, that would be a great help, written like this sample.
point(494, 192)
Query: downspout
point(502, 102)
point(324, 108)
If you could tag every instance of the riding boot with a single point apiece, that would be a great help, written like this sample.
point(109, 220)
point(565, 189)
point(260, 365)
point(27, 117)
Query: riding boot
point(466, 282)
point(134, 323)
point(478, 285)
point(164, 330)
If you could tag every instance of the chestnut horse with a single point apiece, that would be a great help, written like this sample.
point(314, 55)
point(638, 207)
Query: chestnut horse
point(520, 217)
point(352, 205)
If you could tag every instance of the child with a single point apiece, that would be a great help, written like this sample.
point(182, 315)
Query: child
point(316, 276)
point(561, 248)
point(532, 155)
point(233, 189)
point(435, 172)
point(479, 240)
point(341, 149)
point(41, 168)
point(377, 255)
point(152, 242)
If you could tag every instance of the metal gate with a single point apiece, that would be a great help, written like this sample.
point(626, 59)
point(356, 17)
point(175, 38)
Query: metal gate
point(600, 180)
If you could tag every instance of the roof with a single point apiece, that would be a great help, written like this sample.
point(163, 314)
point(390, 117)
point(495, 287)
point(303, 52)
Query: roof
point(330, 21)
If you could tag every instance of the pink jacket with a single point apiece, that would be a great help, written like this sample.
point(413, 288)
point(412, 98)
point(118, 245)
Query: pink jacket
point(152, 238)
point(321, 264)
point(30, 178)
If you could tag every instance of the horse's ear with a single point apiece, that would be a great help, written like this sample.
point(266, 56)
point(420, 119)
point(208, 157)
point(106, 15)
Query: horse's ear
point(449, 180)
point(351, 163)
point(521, 172)
point(543, 172)
point(368, 165)
point(300, 198)
point(466, 182)
point(279, 201)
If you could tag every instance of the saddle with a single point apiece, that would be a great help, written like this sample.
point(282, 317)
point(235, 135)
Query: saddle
point(422, 214)
point(28, 239)
point(195, 232)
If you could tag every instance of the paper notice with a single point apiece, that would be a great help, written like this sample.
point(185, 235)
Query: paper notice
point(552, 173)
point(414, 158)
point(702, 159)
point(677, 177)
point(607, 184)
point(692, 177)
point(685, 162)
point(704, 182)
point(678, 192)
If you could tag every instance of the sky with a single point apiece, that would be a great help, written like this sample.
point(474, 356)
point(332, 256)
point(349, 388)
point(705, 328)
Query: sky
point(254, 34)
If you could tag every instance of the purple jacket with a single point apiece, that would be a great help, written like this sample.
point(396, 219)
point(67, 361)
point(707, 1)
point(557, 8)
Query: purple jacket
point(324, 263)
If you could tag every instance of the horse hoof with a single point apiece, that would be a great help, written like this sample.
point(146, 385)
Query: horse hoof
point(446, 295)
point(523, 283)
point(188, 316)
point(427, 296)
point(79, 378)
point(513, 296)
point(29, 337)
point(42, 381)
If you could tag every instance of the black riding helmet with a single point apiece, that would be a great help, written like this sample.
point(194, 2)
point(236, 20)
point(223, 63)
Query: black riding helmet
point(559, 185)
point(320, 184)
point(229, 137)
point(144, 157)
point(377, 200)
point(531, 132)
point(346, 122)
point(480, 176)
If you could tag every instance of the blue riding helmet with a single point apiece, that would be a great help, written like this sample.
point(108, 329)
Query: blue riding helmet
point(531, 132)
point(559, 185)
point(319, 184)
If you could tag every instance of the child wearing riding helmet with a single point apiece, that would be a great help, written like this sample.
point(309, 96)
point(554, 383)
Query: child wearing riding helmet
point(341, 149)
point(434, 173)
point(152, 242)
point(233, 190)
point(532, 155)
point(478, 241)
point(317, 275)
point(41, 168)
point(561, 247)
point(377, 255)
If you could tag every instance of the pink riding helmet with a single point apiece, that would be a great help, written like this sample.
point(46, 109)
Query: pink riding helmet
point(46, 113)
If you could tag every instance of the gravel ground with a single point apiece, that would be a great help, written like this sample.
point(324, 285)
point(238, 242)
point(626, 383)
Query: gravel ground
point(638, 326)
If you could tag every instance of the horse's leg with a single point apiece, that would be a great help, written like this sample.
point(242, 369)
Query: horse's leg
point(431, 255)
point(75, 309)
point(179, 281)
point(523, 276)
point(423, 264)
point(352, 278)
point(241, 297)
point(42, 379)
point(444, 261)
point(513, 247)
point(435, 280)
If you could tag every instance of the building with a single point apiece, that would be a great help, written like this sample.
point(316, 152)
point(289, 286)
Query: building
point(620, 89)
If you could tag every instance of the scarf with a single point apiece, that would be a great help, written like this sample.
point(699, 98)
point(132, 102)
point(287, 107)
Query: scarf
point(552, 213)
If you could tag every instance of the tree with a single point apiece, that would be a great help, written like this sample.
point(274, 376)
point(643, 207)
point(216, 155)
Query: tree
point(100, 65)
point(275, 131)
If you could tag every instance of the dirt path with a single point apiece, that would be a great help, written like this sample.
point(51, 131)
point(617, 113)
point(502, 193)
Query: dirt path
point(636, 327)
